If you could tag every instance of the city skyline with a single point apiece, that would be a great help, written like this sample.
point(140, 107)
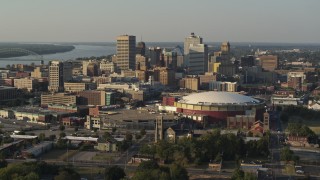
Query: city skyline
point(215, 21)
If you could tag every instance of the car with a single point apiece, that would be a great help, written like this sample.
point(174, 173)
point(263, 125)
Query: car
point(299, 171)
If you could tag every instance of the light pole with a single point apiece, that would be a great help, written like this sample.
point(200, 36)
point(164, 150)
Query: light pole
point(67, 151)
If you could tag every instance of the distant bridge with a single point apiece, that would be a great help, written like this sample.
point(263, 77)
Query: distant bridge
point(21, 51)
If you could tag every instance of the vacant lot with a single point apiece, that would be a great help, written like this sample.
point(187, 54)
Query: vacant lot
point(103, 157)
point(58, 155)
point(84, 156)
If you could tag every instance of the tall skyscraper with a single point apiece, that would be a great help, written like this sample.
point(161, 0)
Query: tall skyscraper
point(195, 55)
point(225, 47)
point(67, 71)
point(126, 52)
point(141, 48)
point(192, 39)
point(197, 59)
point(59, 72)
point(55, 76)
point(155, 56)
point(170, 59)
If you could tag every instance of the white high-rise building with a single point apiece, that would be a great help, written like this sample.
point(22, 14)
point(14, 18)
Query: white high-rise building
point(191, 40)
point(55, 76)
point(223, 86)
point(195, 55)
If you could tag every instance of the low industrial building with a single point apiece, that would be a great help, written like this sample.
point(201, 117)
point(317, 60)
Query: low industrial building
point(58, 98)
point(78, 86)
point(109, 145)
point(285, 101)
point(37, 150)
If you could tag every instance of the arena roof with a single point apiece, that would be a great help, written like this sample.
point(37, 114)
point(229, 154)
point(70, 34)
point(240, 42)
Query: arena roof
point(218, 97)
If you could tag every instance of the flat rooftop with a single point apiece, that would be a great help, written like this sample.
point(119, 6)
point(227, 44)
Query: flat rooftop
point(136, 115)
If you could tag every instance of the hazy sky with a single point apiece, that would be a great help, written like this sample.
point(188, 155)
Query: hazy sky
point(161, 20)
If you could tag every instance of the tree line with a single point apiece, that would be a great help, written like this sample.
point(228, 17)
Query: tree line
point(211, 147)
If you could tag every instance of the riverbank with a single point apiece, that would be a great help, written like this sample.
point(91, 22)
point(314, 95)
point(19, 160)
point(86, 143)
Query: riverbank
point(9, 50)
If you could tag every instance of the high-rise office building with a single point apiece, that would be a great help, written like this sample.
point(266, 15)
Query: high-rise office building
point(67, 71)
point(268, 62)
point(155, 56)
point(196, 55)
point(192, 39)
point(165, 76)
point(170, 59)
point(59, 72)
point(197, 59)
point(225, 47)
point(247, 61)
point(110, 98)
point(126, 52)
point(141, 48)
point(141, 62)
point(55, 76)
point(92, 70)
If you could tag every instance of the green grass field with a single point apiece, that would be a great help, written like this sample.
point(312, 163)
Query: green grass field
point(289, 169)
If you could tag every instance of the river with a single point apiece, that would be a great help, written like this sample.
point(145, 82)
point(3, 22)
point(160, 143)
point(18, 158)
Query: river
point(78, 51)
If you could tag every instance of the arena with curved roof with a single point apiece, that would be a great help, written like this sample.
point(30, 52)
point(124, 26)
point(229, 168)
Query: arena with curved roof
point(216, 106)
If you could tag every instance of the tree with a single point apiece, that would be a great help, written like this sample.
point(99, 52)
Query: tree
point(150, 170)
point(237, 174)
point(123, 145)
point(114, 173)
point(106, 136)
point(148, 165)
point(31, 176)
point(27, 171)
point(284, 117)
point(114, 129)
point(165, 150)
point(52, 137)
point(3, 163)
point(42, 136)
point(286, 154)
point(143, 132)
point(178, 172)
point(62, 134)
point(138, 136)
point(128, 136)
point(148, 150)
point(67, 173)
point(249, 176)
point(62, 127)
point(298, 129)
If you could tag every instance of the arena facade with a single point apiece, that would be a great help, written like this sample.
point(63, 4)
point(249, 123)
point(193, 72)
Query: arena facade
point(216, 106)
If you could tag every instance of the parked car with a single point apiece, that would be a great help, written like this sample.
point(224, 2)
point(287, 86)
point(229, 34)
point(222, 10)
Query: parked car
point(299, 170)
